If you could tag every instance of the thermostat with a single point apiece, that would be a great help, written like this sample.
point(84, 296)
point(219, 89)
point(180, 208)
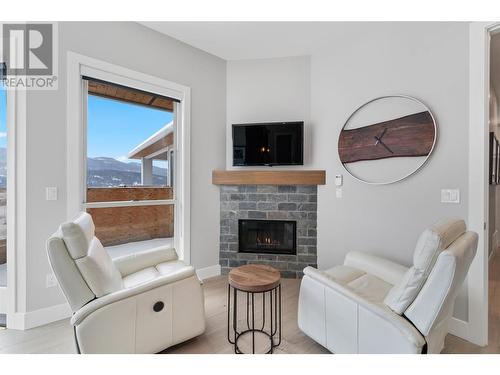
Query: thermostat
point(338, 180)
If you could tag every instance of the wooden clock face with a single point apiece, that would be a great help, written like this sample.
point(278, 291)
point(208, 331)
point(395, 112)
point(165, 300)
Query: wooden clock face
point(387, 139)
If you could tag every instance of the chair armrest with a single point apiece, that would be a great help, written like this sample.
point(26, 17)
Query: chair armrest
point(131, 263)
point(382, 268)
point(108, 299)
point(401, 324)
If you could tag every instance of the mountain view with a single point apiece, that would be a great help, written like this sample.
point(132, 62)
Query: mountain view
point(103, 172)
point(107, 172)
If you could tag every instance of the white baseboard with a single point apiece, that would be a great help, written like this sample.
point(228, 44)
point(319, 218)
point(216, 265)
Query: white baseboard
point(207, 272)
point(458, 328)
point(15, 321)
point(40, 317)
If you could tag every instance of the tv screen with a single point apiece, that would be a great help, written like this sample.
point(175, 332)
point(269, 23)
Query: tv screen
point(276, 143)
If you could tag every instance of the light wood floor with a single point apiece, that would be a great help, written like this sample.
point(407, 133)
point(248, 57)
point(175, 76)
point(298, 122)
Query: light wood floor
point(58, 338)
point(214, 339)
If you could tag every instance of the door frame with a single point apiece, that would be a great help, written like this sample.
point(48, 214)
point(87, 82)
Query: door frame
point(476, 329)
point(76, 63)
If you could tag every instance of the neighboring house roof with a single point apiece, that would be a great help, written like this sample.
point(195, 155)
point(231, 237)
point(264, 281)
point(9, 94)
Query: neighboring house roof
point(154, 145)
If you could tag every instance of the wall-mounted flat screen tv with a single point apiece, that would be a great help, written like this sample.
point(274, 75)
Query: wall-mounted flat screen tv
point(273, 143)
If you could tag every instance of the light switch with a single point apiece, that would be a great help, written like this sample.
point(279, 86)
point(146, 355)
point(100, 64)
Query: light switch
point(338, 192)
point(450, 195)
point(338, 180)
point(51, 193)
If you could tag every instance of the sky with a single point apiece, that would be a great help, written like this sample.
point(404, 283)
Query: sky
point(3, 117)
point(115, 128)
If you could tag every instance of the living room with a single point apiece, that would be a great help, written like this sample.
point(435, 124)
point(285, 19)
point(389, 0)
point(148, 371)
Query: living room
point(276, 187)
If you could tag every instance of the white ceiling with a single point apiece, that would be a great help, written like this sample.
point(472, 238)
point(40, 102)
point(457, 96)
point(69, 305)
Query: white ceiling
point(253, 40)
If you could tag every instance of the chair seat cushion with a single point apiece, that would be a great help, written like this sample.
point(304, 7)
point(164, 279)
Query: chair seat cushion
point(370, 287)
point(150, 273)
point(344, 274)
point(167, 268)
point(128, 264)
point(140, 277)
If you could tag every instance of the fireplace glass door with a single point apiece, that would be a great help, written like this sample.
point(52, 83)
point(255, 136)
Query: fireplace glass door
point(267, 236)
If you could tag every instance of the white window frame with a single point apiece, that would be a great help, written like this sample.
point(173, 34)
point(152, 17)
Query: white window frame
point(3, 288)
point(78, 65)
point(14, 295)
point(157, 202)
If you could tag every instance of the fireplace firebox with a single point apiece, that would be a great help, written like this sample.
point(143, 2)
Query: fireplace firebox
point(267, 236)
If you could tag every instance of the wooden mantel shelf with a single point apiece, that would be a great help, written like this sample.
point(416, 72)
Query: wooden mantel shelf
point(276, 177)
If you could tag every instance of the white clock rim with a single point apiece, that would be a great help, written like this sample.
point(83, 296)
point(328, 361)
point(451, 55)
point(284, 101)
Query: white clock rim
point(423, 162)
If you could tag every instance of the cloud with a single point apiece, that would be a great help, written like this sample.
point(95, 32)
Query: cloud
point(3, 135)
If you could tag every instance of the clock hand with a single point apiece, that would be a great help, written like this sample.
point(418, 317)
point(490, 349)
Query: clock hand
point(379, 140)
point(383, 133)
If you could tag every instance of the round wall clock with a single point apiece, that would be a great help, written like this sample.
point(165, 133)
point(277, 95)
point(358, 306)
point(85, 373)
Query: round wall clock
point(387, 139)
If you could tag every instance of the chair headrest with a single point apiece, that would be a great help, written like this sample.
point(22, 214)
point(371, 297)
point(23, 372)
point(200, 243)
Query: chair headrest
point(435, 239)
point(430, 244)
point(77, 235)
point(449, 230)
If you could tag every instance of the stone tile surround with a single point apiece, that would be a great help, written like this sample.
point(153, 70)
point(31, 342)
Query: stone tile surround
point(269, 202)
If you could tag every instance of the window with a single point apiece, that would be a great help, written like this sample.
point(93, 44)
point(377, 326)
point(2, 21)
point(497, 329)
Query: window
point(129, 172)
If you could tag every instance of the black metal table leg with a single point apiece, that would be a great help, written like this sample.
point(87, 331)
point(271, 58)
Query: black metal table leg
point(274, 318)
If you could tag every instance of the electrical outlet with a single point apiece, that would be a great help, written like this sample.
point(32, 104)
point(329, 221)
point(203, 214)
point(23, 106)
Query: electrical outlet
point(338, 180)
point(50, 280)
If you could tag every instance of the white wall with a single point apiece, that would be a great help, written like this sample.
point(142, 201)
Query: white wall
point(268, 90)
point(430, 63)
point(138, 48)
point(427, 61)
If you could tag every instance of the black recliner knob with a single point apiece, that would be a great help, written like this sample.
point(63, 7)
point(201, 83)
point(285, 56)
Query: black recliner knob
point(158, 306)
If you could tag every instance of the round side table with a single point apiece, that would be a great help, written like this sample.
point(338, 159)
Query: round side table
point(250, 280)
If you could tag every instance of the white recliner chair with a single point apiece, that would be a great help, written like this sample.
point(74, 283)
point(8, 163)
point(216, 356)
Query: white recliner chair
point(140, 303)
point(372, 305)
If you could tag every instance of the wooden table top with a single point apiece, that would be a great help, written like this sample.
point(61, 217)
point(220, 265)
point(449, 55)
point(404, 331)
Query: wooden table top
point(254, 278)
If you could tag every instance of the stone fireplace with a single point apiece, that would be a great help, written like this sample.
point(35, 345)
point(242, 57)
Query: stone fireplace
point(268, 224)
